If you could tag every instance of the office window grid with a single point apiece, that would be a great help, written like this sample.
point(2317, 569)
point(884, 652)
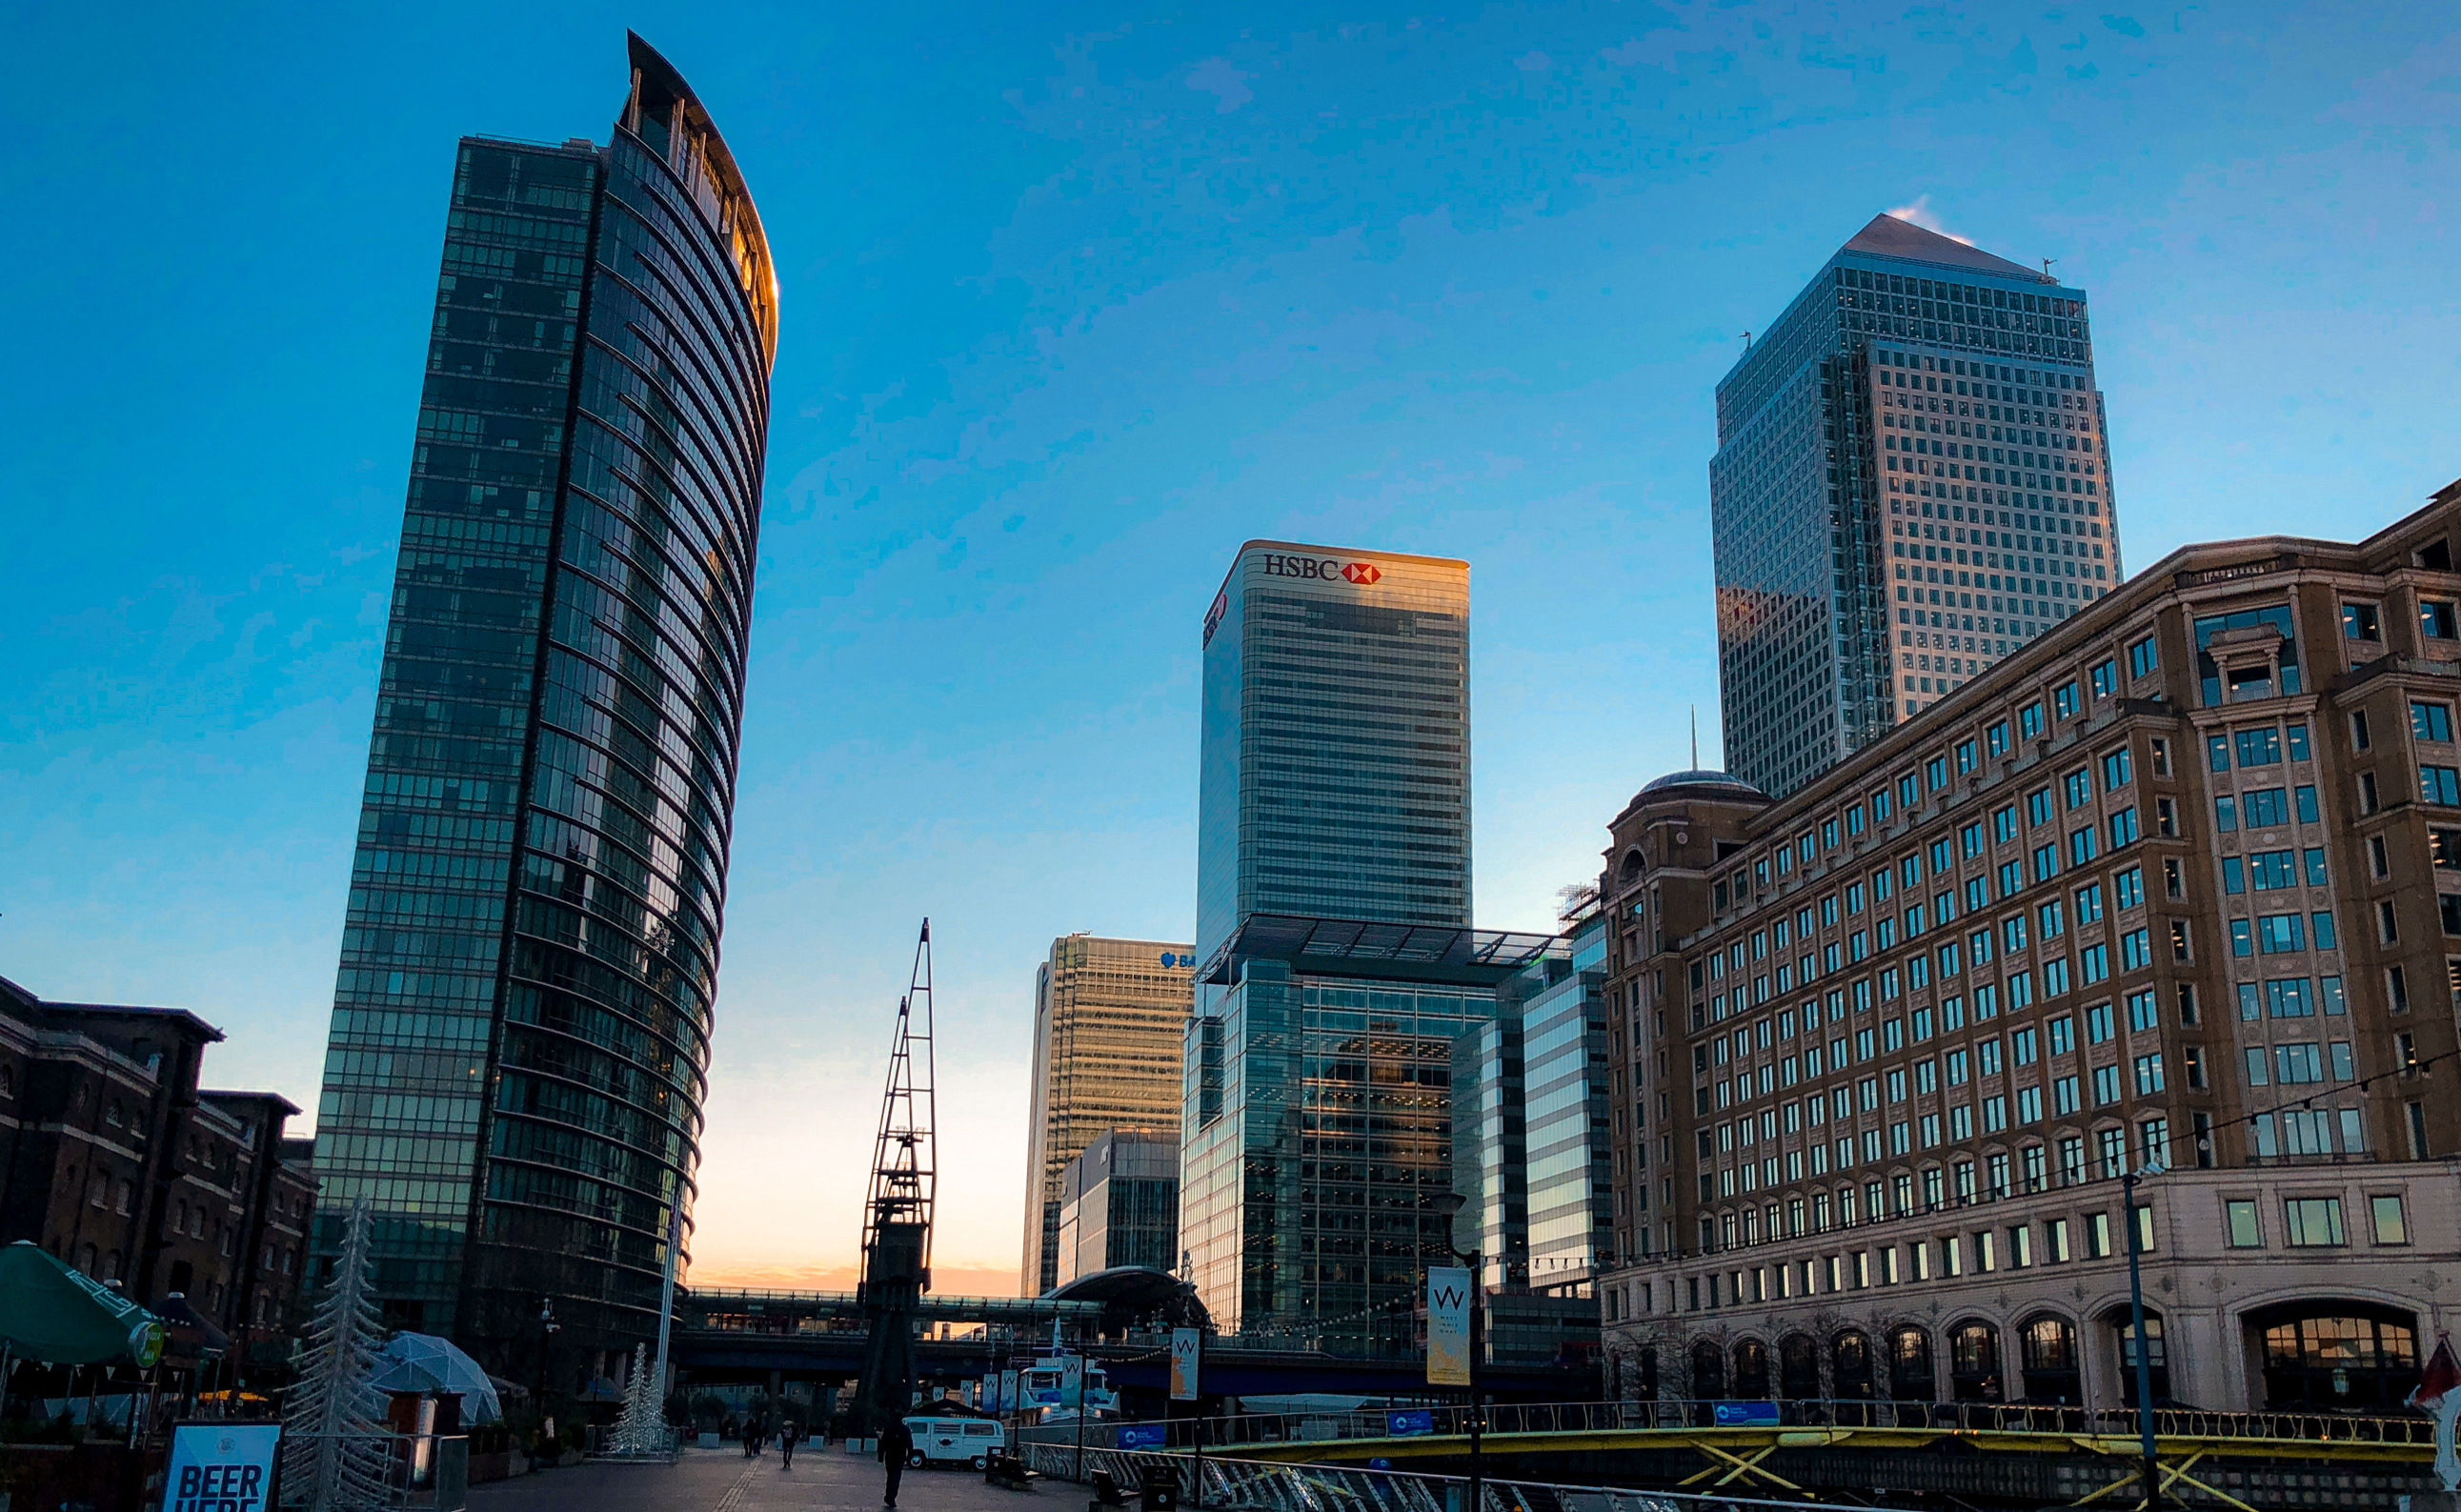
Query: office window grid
point(1840, 615)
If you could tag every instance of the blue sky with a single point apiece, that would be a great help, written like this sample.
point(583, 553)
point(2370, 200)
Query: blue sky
point(1074, 300)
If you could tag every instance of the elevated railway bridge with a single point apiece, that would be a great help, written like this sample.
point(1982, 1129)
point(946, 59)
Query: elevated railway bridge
point(775, 1336)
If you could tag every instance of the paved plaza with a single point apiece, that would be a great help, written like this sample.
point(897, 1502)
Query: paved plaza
point(722, 1480)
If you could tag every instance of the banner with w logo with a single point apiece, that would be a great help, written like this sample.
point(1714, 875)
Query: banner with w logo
point(1447, 1326)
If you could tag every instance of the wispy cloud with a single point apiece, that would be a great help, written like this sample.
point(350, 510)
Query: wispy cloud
point(1228, 85)
point(1921, 214)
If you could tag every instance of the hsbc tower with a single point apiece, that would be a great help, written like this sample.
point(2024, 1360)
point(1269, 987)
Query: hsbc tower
point(1335, 767)
point(1336, 965)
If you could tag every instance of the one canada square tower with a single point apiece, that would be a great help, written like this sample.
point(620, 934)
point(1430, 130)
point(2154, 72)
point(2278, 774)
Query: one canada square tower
point(521, 1024)
point(1912, 481)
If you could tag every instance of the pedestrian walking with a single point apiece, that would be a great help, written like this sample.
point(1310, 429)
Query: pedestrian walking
point(896, 1444)
point(786, 1432)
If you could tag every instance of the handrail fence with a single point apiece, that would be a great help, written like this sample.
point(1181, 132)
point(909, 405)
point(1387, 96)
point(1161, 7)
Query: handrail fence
point(1586, 1417)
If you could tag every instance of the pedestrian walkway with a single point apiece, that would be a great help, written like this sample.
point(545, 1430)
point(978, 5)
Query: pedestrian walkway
point(722, 1480)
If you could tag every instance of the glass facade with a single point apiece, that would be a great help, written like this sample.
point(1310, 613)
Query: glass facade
point(1335, 778)
point(1531, 1111)
point(1108, 1019)
point(521, 1016)
point(1491, 1147)
point(1307, 1199)
point(1564, 1111)
point(1118, 1206)
point(1316, 1123)
point(1912, 480)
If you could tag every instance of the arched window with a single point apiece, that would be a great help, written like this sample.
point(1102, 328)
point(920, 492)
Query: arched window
point(1849, 1366)
point(1798, 1368)
point(89, 1262)
point(1974, 1362)
point(2046, 1347)
point(1631, 868)
point(1751, 1372)
point(1709, 1371)
point(2336, 1354)
point(1911, 1376)
point(2157, 1355)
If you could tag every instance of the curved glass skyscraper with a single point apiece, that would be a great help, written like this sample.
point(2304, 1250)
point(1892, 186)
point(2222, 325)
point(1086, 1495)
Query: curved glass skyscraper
point(529, 964)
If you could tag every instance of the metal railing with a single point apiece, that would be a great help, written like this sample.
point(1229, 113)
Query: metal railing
point(1582, 1418)
point(430, 1471)
point(1251, 1486)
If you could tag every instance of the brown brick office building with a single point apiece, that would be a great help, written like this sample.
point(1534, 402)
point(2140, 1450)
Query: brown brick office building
point(2176, 882)
point(114, 1159)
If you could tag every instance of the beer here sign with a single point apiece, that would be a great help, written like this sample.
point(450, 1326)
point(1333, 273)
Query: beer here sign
point(220, 1467)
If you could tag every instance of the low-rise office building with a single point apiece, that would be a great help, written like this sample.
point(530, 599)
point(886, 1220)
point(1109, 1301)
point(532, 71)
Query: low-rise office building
point(1316, 1142)
point(1531, 1151)
point(1119, 1205)
point(1531, 1144)
point(2174, 888)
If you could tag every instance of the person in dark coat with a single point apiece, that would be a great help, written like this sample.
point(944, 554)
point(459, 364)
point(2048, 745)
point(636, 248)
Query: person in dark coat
point(896, 1444)
point(786, 1430)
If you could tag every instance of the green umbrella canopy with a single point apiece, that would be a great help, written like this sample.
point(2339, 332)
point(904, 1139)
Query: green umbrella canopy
point(51, 1314)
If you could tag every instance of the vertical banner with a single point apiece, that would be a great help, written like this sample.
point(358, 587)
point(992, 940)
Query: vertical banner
point(1187, 1348)
point(1447, 1326)
point(1072, 1382)
point(220, 1467)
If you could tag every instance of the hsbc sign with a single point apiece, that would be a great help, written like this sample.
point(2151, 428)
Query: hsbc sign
point(1358, 574)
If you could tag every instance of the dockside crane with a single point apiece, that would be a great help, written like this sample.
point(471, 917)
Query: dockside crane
point(897, 1210)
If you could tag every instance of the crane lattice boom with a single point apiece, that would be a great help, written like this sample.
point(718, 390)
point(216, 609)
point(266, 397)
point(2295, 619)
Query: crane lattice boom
point(897, 1205)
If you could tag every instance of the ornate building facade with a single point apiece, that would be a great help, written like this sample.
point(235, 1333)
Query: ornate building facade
point(2172, 890)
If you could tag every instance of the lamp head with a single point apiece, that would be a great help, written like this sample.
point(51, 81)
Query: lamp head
point(1450, 1203)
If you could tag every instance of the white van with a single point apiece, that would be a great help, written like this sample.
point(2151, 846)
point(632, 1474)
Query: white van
point(954, 1440)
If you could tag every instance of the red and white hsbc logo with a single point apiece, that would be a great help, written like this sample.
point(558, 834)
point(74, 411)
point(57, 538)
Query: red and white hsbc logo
point(1359, 574)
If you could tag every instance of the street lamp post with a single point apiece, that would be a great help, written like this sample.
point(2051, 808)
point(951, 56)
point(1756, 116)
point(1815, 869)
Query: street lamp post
point(547, 1332)
point(2136, 1330)
point(1449, 1204)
